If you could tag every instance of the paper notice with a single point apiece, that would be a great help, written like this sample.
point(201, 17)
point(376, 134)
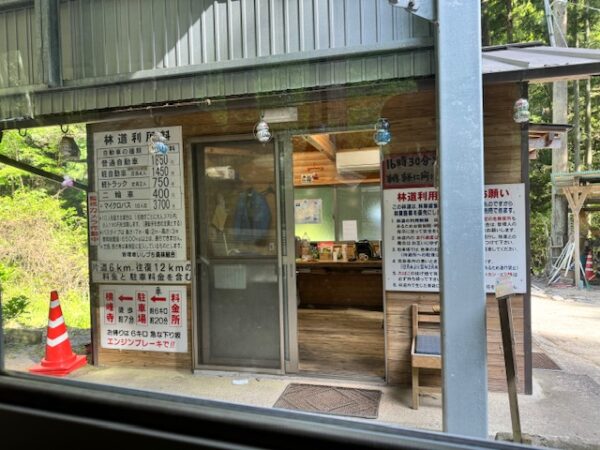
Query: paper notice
point(349, 230)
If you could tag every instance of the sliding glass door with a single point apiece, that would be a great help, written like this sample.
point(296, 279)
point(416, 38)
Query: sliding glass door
point(239, 318)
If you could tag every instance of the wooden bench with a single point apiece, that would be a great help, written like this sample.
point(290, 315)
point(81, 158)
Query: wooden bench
point(426, 349)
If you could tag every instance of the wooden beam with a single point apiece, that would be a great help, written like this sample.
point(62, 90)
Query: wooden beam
point(14, 4)
point(42, 173)
point(322, 143)
point(576, 196)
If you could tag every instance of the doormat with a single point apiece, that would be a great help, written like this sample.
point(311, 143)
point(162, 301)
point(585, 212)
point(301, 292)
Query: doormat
point(543, 361)
point(330, 400)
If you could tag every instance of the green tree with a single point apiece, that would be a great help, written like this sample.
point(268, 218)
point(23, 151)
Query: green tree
point(43, 231)
point(39, 147)
point(43, 248)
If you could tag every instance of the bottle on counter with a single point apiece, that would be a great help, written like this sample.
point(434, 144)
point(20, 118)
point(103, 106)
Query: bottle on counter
point(306, 253)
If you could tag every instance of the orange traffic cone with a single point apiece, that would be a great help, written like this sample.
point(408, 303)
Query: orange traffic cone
point(60, 359)
point(589, 268)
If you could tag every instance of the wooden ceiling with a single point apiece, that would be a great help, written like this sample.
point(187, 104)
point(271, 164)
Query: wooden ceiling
point(341, 141)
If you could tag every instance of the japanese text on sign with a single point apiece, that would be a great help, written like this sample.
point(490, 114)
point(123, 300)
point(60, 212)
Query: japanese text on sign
point(144, 317)
point(139, 196)
point(411, 237)
point(139, 272)
point(93, 218)
point(414, 170)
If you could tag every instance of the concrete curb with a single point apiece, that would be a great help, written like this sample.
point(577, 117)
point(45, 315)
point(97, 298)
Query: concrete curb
point(566, 443)
point(22, 336)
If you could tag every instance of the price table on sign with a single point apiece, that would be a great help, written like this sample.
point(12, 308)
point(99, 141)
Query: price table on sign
point(139, 210)
point(139, 194)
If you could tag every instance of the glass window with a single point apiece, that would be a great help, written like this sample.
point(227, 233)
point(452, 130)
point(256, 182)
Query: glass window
point(361, 203)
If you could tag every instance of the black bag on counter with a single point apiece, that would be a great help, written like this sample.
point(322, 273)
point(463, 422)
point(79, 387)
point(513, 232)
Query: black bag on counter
point(364, 247)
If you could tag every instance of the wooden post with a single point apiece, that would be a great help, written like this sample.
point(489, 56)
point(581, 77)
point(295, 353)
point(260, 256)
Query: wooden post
point(560, 156)
point(576, 196)
point(510, 365)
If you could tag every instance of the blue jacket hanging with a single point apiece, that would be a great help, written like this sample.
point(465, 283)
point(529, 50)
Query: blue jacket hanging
point(252, 217)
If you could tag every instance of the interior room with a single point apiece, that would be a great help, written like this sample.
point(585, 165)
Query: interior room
point(338, 229)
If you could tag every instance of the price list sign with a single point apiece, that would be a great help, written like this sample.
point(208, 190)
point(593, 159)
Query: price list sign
point(411, 238)
point(140, 207)
point(144, 317)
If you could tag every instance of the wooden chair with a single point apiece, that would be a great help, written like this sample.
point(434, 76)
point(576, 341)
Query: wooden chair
point(426, 349)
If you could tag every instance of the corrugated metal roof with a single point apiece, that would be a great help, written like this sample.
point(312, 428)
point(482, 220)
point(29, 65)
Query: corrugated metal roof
point(222, 84)
point(538, 63)
point(500, 64)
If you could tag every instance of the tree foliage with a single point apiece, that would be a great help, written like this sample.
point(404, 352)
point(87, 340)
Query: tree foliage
point(43, 230)
point(38, 147)
point(514, 21)
point(509, 21)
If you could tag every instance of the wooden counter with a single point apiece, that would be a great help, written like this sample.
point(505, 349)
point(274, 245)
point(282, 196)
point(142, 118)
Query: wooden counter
point(340, 265)
point(340, 284)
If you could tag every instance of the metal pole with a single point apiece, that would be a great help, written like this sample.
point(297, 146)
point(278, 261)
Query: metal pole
point(462, 286)
point(548, 14)
point(527, 297)
point(560, 156)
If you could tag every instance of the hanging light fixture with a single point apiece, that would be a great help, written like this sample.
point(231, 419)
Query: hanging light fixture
point(262, 132)
point(521, 111)
point(67, 146)
point(382, 135)
point(158, 143)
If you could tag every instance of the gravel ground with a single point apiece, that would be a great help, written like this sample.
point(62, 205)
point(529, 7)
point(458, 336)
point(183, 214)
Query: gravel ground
point(566, 326)
point(21, 355)
point(565, 404)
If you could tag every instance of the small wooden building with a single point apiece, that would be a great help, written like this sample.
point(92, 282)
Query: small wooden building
point(193, 222)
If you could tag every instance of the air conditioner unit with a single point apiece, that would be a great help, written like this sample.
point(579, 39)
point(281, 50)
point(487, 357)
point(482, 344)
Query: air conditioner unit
point(367, 160)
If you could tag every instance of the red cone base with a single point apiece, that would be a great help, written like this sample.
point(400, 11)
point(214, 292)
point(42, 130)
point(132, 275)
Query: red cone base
point(60, 370)
point(60, 359)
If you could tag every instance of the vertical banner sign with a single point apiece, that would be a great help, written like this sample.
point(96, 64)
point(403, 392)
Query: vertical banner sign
point(140, 208)
point(411, 238)
point(93, 218)
point(142, 317)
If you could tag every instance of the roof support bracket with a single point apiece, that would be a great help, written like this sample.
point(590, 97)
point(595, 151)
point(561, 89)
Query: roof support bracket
point(425, 9)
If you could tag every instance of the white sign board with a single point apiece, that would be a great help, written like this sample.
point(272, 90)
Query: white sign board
point(140, 204)
point(169, 272)
point(349, 230)
point(411, 238)
point(143, 317)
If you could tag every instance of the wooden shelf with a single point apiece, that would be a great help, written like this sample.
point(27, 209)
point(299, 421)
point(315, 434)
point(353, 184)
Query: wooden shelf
point(371, 264)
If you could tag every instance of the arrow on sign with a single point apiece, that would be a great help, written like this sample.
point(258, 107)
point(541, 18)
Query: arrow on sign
point(158, 299)
point(125, 298)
